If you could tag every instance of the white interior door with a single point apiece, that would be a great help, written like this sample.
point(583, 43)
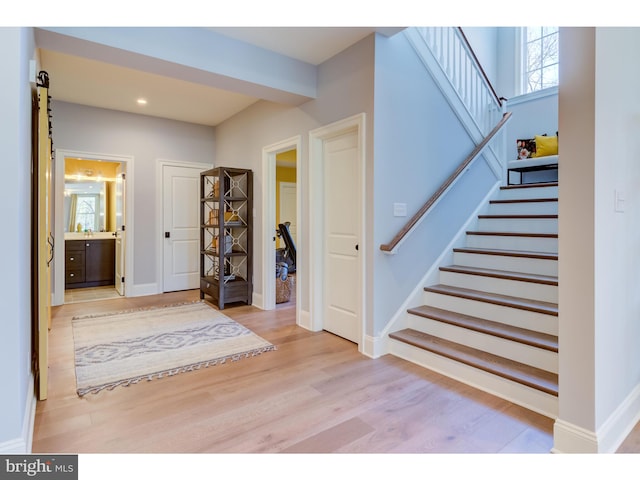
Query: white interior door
point(120, 230)
point(181, 227)
point(341, 226)
point(288, 210)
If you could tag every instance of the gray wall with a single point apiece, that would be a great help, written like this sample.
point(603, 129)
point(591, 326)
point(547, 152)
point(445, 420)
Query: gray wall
point(147, 139)
point(16, 49)
point(419, 142)
point(345, 88)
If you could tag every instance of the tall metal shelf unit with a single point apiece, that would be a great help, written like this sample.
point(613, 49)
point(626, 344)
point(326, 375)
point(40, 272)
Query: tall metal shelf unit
point(226, 209)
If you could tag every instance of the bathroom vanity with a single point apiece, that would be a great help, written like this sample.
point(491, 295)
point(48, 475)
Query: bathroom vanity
point(89, 262)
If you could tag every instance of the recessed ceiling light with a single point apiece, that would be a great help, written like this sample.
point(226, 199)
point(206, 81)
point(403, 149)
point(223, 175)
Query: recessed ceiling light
point(142, 101)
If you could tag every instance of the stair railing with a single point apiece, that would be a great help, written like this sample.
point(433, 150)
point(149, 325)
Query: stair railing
point(451, 54)
point(458, 61)
point(415, 220)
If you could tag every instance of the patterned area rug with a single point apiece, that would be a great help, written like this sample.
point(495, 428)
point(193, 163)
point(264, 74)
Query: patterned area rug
point(126, 347)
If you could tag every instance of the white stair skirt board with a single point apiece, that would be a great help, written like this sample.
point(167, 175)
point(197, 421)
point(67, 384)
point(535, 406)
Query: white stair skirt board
point(536, 357)
point(539, 322)
point(519, 394)
point(513, 288)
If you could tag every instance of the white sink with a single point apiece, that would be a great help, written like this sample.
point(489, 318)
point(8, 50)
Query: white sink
point(87, 236)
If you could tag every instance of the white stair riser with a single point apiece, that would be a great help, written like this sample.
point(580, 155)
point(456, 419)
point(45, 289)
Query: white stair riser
point(520, 225)
point(499, 242)
point(527, 193)
point(527, 397)
point(510, 264)
point(528, 208)
point(514, 288)
point(536, 357)
point(536, 321)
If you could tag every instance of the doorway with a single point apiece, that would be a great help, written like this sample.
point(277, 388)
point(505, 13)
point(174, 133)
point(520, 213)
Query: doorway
point(102, 216)
point(280, 165)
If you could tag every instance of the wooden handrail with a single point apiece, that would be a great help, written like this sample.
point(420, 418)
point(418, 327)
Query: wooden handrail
point(389, 247)
point(479, 65)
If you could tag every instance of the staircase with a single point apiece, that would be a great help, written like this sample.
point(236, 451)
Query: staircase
point(492, 321)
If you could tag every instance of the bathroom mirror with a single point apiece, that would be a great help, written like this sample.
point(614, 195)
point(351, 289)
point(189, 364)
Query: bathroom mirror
point(85, 206)
point(89, 195)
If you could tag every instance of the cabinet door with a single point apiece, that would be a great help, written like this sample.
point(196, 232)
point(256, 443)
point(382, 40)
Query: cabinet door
point(99, 260)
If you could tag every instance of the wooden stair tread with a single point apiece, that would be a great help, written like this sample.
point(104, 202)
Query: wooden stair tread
point(496, 299)
point(514, 234)
point(508, 253)
point(503, 274)
point(517, 216)
point(496, 329)
point(523, 200)
point(509, 369)
point(528, 185)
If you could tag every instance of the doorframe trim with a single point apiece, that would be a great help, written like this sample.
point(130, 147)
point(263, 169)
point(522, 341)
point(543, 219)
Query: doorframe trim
point(58, 260)
point(160, 164)
point(315, 197)
point(269, 154)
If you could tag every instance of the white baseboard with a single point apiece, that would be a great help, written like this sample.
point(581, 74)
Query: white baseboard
point(374, 347)
point(305, 320)
point(569, 438)
point(257, 300)
point(23, 444)
point(620, 423)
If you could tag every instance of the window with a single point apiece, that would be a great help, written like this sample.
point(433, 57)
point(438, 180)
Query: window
point(86, 209)
point(540, 58)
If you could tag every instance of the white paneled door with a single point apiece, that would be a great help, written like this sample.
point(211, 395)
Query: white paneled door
point(181, 230)
point(288, 208)
point(342, 220)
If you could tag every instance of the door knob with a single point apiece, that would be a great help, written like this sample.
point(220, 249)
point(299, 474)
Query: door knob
point(167, 234)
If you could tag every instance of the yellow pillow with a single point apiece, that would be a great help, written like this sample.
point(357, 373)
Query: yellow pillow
point(546, 145)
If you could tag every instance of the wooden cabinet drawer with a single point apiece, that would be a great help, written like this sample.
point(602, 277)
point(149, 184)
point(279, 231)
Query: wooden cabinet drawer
point(74, 275)
point(74, 259)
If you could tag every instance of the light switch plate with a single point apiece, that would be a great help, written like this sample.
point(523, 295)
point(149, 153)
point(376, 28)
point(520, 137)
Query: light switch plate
point(399, 209)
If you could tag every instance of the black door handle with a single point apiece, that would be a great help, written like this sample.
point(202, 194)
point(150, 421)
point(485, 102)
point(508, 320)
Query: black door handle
point(357, 247)
point(167, 234)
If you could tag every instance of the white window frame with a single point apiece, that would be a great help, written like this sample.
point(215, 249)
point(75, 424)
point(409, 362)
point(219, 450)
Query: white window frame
point(521, 57)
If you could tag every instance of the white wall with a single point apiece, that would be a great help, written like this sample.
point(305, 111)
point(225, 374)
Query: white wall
point(147, 139)
point(599, 316)
point(484, 41)
point(617, 262)
point(16, 49)
point(532, 115)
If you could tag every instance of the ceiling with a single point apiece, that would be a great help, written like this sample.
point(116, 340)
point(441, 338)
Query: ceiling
point(94, 83)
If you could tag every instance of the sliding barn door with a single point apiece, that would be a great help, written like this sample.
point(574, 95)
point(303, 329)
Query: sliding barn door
point(43, 243)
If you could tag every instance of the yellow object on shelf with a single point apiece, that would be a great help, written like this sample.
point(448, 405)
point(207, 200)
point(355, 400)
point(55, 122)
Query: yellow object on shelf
point(231, 216)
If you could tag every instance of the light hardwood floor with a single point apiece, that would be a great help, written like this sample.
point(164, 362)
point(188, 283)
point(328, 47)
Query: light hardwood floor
point(314, 394)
